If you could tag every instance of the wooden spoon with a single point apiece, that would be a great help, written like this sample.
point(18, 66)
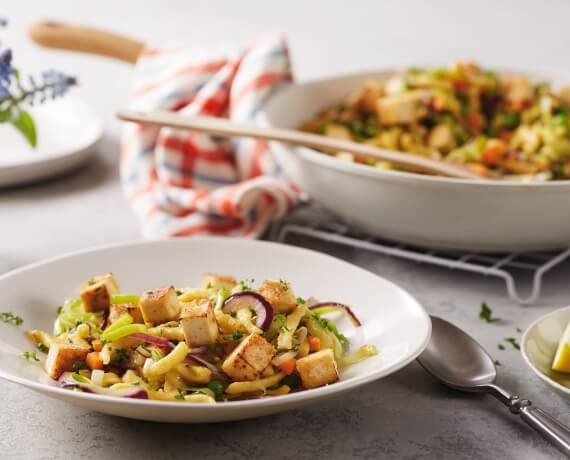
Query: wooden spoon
point(362, 152)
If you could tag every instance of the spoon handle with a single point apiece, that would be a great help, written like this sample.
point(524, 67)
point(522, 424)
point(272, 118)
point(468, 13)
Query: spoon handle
point(552, 430)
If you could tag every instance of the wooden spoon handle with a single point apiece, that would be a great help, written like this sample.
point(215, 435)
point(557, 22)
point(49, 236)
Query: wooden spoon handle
point(224, 127)
point(85, 40)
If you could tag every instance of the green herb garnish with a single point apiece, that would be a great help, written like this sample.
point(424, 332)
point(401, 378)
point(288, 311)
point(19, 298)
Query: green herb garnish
point(217, 387)
point(284, 284)
point(237, 335)
point(179, 396)
point(179, 292)
point(246, 284)
point(209, 285)
point(120, 357)
point(30, 356)
point(501, 346)
point(514, 342)
point(486, 314)
point(10, 318)
point(301, 301)
point(497, 363)
point(43, 348)
point(78, 365)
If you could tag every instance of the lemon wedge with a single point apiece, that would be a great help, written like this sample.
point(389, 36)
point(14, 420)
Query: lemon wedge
point(561, 361)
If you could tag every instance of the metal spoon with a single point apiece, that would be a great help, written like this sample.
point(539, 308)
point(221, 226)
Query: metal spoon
point(458, 361)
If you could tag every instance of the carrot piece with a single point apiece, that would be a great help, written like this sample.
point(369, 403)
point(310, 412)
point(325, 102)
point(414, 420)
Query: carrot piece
point(493, 155)
point(97, 345)
point(288, 367)
point(314, 343)
point(94, 361)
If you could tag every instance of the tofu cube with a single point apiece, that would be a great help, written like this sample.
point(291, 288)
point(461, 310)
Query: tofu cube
point(199, 324)
point(318, 369)
point(211, 280)
point(62, 356)
point(120, 309)
point(402, 108)
point(97, 295)
point(441, 138)
point(279, 294)
point(249, 359)
point(160, 305)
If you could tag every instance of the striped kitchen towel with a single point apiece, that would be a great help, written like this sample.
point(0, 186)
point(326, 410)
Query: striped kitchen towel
point(183, 183)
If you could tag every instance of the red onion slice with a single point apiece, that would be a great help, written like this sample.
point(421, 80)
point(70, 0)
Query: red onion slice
point(158, 341)
point(247, 299)
point(340, 307)
point(198, 350)
point(67, 381)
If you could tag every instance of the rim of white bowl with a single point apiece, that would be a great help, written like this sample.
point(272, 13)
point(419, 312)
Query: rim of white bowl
point(529, 362)
point(357, 169)
point(311, 394)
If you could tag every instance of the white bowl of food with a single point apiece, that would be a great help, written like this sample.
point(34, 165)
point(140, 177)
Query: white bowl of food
point(545, 348)
point(169, 345)
point(517, 212)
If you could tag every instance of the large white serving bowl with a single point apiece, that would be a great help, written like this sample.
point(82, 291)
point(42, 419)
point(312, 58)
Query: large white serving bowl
point(538, 347)
point(68, 131)
point(417, 209)
point(392, 320)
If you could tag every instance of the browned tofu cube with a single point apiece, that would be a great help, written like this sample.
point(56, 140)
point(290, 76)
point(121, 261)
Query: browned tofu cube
point(402, 108)
point(279, 294)
point(211, 280)
point(199, 324)
point(160, 305)
point(318, 369)
point(249, 358)
point(120, 309)
point(97, 295)
point(62, 356)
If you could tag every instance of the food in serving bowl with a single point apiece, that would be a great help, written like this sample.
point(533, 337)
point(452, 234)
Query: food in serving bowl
point(561, 361)
point(224, 340)
point(543, 348)
point(498, 124)
point(417, 209)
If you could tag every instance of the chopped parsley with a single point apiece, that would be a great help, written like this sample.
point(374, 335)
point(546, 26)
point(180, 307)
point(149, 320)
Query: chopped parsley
point(237, 335)
point(209, 285)
point(497, 363)
point(10, 318)
point(43, 348)
point(245, 284)
point(326, 324)
point(486, 314)
point(120, 357)
point(30, 356)
point(284, 284)
point(514, 342)
point(301, 301)
point(501, 346)
point(78, 365)
point(179, 292)
point(91, 282)
point(217, 387)
point(59, 309)
point(519, 330)
point(179, 396)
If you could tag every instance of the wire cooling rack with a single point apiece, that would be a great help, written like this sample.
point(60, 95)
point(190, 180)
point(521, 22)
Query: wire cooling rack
point(514, 268)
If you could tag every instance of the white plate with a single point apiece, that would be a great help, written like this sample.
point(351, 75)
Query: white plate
point(429, 211)
point(539, 345)
point(392, 319)
point(68, 130)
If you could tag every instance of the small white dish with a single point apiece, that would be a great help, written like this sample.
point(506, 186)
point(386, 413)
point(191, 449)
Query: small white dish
point(392, 320)
point(68, 130)
point(539, 345)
